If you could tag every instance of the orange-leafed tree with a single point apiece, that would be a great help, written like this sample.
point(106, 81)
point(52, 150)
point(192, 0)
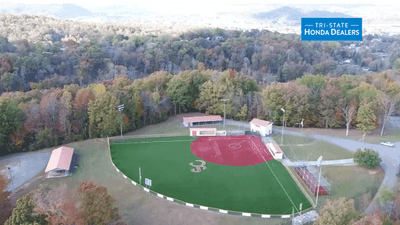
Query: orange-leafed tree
point(97, 205)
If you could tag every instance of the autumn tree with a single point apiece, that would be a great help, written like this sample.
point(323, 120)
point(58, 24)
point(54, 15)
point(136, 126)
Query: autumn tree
point(54, 204)
point(330, 106)
point(338, 212)
point(366, 118)
point(375, 218)
point(24, 213)
point(95, 199)
point(349, 110)
point(273, 98)
point(103, 115)
point(80, 123)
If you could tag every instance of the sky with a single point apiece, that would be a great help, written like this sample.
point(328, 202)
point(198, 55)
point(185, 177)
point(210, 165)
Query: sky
point(188, 2)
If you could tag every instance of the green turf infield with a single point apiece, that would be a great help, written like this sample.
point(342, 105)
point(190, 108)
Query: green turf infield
point(252, 189)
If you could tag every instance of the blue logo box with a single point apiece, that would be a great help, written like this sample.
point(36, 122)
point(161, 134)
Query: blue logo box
point(331, 29)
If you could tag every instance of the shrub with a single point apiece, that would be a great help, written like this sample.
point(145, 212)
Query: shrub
point(368, 158)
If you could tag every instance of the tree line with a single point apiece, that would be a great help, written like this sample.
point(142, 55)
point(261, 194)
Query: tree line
point(44, 118)
point(53, 53)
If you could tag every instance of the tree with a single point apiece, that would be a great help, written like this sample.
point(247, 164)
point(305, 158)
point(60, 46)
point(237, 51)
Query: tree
point(368, 158)
point(338, 212)
point(53, 203)
point(376, 218)
point(23, 213)
point(10, 121)
point(103, 115)
point(242, 115)
point(97, 204)
point(389, 102)
point(386, 195)
point(65, 113)
point(349, 110)
point(366, 118)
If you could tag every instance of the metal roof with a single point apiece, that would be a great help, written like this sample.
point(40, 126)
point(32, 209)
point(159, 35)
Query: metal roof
point(260, 122)
point(198, 119)
point(203, 129)
point(60, 159)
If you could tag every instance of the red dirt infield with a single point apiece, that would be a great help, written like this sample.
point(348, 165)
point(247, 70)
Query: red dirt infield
point(242, 150)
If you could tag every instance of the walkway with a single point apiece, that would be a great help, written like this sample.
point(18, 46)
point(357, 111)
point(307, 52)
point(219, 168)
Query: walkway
point(340, 162)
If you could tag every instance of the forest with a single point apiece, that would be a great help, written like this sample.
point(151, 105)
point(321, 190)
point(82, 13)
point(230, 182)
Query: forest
point(50, 78)
point(49, 117)
point(54, 52)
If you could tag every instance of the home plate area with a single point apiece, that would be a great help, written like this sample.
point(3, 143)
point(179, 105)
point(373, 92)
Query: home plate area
point(242, 150)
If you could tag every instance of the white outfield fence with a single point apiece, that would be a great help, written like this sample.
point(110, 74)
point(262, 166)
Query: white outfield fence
point(222, 211)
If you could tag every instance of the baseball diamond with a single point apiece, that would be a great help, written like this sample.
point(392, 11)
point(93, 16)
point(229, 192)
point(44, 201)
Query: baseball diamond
point(245, 178)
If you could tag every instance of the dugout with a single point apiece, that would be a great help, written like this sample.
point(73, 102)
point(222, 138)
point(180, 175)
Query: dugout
point(264, 128)
point(60, 162)
point(201, 120)
point(203, 132)
point(275, 150)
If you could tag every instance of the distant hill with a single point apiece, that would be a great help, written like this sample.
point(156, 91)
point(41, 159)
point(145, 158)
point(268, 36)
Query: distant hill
point(64, 11)
point(294, 15)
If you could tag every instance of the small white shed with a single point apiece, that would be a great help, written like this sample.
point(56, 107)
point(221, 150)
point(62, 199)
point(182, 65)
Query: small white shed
point(261, 126)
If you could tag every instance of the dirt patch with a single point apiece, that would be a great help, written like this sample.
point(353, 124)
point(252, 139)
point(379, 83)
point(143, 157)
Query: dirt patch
point(243, 150)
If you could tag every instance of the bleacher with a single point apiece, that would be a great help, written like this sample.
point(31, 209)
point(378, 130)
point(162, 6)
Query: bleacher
point(311, 181)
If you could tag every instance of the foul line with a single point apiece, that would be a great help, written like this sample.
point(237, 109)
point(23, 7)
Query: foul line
point(276, 177)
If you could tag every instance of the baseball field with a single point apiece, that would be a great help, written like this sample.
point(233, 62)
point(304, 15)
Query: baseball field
point(235, 173)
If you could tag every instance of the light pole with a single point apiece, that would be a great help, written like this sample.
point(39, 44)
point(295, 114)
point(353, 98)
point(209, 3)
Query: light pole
point(120, 108)
point(224, 100)
point(283, 124)
point(319, 179)
point(12, 180)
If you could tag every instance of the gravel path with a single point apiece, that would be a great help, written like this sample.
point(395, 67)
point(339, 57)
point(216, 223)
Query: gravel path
point(23, 167)
point(390, 156)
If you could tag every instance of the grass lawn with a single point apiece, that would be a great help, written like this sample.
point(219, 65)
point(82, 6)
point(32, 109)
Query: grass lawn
point(237, 188)
point(302, 148)
point(354, 182)
point(174, 126)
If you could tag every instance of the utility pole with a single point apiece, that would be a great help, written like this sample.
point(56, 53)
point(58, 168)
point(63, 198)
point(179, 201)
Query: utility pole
point(12, 180)
point(283, 124)
point(319, 179)
point(224, 100)
point(120, 108)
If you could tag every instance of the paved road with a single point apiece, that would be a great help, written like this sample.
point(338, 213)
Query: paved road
point(390, 156)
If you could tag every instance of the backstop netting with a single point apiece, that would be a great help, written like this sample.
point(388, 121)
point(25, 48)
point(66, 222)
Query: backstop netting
point(310, 175)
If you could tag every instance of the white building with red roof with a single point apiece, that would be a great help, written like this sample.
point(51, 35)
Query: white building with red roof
point(60, 162)
point(201, 120)
point(261, 126)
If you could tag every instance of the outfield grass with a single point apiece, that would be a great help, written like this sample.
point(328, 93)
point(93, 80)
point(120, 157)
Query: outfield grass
point(237, 188)
point(302, 148)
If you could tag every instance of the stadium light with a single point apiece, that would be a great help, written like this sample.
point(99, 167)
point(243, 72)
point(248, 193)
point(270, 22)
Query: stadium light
point(224, 100)
point(283, 124)
point(120, 108)
point(319, 179)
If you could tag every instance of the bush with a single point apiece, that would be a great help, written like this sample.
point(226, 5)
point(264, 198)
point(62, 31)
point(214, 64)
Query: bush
point(368, 158)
